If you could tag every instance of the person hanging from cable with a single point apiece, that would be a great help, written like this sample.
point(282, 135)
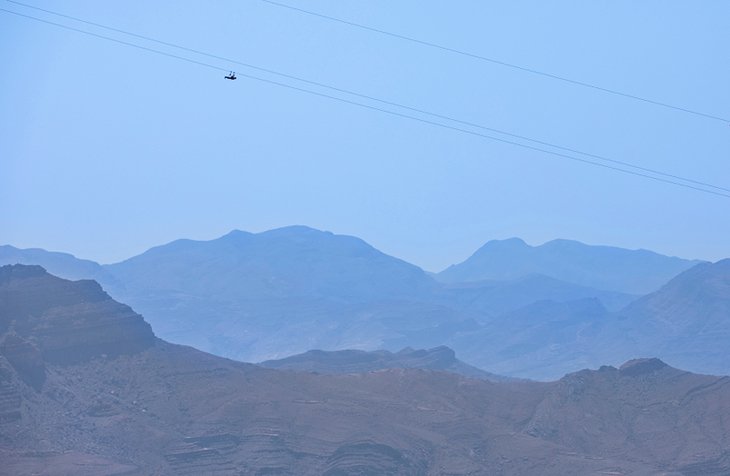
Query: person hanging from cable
point(231, 75)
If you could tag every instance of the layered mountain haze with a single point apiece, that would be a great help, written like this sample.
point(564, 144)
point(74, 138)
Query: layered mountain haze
point(543, 340)
point(686, 322)
point(262, 296)
point(498, 297)
point(439, 316)
point(168, 409)
point(601, 267)
point(254, 296)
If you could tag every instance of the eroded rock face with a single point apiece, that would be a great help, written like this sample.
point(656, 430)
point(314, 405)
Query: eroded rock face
point(10, 399)
point(370, 458)
point(67, 321)
point(26, 359)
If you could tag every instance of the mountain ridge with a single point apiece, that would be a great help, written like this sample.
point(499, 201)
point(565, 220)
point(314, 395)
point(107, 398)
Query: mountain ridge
point(172, 409)
point(357, 361)
point(688, 319)
point(260, 296)
point(604, 267)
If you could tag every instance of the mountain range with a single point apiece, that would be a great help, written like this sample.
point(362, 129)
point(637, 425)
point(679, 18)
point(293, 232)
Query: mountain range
point(269, 295)
point(686, 322)
point(87, 389)
point(600, 267)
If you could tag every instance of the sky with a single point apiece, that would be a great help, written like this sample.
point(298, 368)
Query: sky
point(107, 150)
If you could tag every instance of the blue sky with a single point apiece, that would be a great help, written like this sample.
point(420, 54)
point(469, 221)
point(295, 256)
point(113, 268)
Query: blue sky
point(106, 150)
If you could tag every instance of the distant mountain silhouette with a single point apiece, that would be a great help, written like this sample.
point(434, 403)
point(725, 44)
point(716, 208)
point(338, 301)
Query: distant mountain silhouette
point(358, 361)
point(59, 264)
point(285, 291)
point(291, 262)
point(687, 321)
point(256, 296)
point(266, 295)
point(601, 267)
point(127, 403)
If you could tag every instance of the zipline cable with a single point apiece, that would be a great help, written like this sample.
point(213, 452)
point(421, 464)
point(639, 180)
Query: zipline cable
point(372, 98)
point(496, 61)
point(367, 106)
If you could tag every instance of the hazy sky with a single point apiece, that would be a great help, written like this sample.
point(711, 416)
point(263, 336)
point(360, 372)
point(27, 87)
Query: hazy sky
point(106, 150)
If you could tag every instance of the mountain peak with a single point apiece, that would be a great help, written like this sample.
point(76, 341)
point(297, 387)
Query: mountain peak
point(296, 230)
point(508, 243)
point(236, 234)
point(20, 271)
point(294, 262)
point(636, 367)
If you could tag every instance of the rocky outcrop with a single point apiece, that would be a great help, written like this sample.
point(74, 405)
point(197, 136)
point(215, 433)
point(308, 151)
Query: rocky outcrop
point(357, 361)
point(66, 321)
point(369, 458)
point(638, 367)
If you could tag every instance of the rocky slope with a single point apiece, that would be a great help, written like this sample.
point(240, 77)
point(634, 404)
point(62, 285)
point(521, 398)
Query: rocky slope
point(687, 321)
point(154, 408)
point(643, 410)
point(544, 340)
point(64, 321)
